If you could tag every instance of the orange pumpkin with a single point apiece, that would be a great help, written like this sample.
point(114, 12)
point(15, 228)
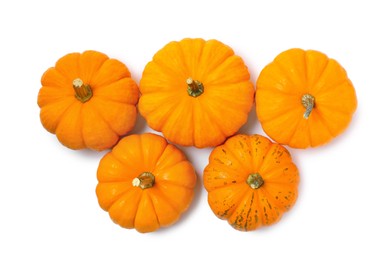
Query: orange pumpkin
point(250, 181)
point(88, 100)
point(196, 92)
point(304, 99)
point(145, 183)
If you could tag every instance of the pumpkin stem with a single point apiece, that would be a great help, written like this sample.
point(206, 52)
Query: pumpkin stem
point(83, 92)
point(194, 88)
point(144, 180)
point(308, 103)
point(254, 180)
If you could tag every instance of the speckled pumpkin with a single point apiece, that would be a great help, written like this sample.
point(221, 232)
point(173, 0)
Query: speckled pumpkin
point(250, 181)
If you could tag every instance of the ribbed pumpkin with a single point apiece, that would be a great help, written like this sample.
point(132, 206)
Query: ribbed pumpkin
point(304, 99)
point(88, 100)
point(145, 183)
point(250, 181)
point(196, 92)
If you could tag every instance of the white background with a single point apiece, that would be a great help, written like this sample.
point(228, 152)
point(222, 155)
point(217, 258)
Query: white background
point(47, 192)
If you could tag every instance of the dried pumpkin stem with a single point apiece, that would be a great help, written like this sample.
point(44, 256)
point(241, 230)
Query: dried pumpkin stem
point(254, 180)
point(144, 180)
point(83, 92)
point(194, 88)
point(308, 102)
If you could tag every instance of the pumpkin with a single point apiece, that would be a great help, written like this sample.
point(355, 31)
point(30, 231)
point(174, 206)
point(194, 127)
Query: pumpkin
point(250, 181)
point(145, 183)
point(88, 100)
point(304, 99)
point(196, 92)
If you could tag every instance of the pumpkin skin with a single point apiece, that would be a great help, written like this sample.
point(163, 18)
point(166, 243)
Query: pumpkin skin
point(304, 99)
point(196, 92)
point(250, 181)
point(88, 100)
point(145, 183)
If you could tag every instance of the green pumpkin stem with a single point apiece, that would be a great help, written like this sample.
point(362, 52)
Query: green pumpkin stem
point(254, 180)
point(82, 92)
point(194, 88)
point(308, 102)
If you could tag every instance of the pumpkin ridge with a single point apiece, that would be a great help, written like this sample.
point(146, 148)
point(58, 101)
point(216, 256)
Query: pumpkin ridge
point(96, 69)
point(264, 194)
point(245, 198)
point(149, 195)
point(226, 169)
point(165, 68)
point(66, 58)
point(181, 51)
point(126, 193)
point(240, 194)
point(163, 197)
point(109, 99)
point(285, 72)
point(269, 175)
point(104, 119)
point(75, 102)
point(220, 74)
point(319, 74)
point(321, 118)
point(59, 116)
point(232, 152)
point(267, 155)
point(295, 127)
point(117, 196)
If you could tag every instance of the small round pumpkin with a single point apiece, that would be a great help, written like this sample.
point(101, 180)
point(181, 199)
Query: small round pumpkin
point(304, 99)
point(250, 181)
point(196, 92)
point(145, 183)
point(88, 100)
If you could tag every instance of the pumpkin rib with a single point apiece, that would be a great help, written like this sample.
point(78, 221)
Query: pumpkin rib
point(171, 171)
point(181, 52)
point(218, 120)
point(269, 197)
point(270, 203)
point(286, 73)
point(188, 58)
point(319, 74)
point(205, 117)
point(98, 112)
point(228, 64)
point(135, 200)
point(73, 59)
point(235, 197)
point(225, 169)
point(164, 198)
point(58, 116)
point(270, 172)
point(117, 196)
point(123, 70)
point(160, 199)
point(165, 68)
point(157, 125)
point(210, 66)
point(272, 121)
point(248, 195)
point(323, 121)
point(95, 70)
point(148, 195)
point(75, 102)
point(234, 155)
